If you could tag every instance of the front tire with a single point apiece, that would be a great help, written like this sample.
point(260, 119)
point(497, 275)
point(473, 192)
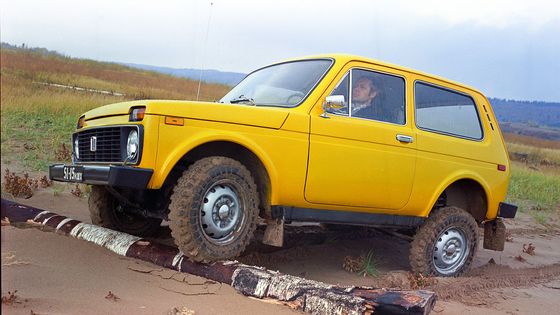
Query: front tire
point(214, 209)
point(106, 211)
point(445, 244)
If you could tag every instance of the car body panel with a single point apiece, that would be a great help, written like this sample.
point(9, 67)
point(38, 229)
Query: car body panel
point(337, 163)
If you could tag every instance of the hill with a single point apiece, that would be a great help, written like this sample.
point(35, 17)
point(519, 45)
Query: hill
point(208, 76)
point(533, 113)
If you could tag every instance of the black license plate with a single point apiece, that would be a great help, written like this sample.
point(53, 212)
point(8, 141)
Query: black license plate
point(73, 173)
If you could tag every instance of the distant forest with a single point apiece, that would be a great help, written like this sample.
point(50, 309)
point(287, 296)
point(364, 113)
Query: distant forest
point(534, 114)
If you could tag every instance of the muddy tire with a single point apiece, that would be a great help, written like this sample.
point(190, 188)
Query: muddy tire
point(445, 244)
point(105, 211)
point(214, 209)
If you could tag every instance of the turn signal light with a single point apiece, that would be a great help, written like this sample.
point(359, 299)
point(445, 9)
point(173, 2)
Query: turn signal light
point(501, 167)
point(137, 113)
point(81, 122)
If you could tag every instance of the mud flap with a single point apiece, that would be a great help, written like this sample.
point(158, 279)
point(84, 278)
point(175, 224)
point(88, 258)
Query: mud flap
point(494, 235)
point(274, 233)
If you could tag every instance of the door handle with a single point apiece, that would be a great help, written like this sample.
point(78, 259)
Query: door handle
point(403, 138)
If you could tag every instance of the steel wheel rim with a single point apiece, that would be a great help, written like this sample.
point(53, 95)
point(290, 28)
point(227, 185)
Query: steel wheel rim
point(221, 213)
point(451, 250)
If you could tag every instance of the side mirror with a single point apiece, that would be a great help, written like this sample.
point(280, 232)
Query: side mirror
point(332, 103)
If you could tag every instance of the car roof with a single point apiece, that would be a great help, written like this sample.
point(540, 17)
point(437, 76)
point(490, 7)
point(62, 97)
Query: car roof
point(345, 58)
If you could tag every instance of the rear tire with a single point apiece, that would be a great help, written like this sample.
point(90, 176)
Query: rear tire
point(445, 244)
point(106, 211)
point(214, 209)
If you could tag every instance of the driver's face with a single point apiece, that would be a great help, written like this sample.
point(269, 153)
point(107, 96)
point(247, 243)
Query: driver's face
point(363, 91)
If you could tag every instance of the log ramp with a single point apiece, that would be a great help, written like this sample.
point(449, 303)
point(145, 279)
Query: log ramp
point(306, 295)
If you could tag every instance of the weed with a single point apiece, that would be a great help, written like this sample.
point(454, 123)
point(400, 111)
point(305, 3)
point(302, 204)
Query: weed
point(63, 153)
point(352, 264)
point(365, 265)
point(77, 191)
point(44, 182)
point(87, 189)
point(57, 189)
point(369, 266)
point(19, 186)
point(509, 237)
point(10, 299)
point(111, 296)
point(529, 249)
point(420, 281)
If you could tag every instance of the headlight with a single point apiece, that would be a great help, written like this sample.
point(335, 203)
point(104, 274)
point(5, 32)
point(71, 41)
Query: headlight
point(76, 149)
point(132, 145)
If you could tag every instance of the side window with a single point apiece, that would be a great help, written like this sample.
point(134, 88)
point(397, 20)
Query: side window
point(445, 111)
point(372, 95)
point(377, 96)
point(342, 89)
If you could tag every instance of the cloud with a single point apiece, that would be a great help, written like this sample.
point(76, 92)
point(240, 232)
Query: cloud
point(506, 48)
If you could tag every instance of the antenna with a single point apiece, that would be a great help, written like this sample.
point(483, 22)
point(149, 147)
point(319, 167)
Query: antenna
point(204, 52)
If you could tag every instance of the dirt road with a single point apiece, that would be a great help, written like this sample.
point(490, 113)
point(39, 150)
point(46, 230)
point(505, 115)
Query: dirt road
point(54, 274)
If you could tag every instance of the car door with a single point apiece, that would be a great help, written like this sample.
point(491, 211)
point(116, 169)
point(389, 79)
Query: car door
point(358, 160)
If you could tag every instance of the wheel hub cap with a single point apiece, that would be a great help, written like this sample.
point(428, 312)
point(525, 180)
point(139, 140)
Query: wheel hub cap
point(220, 213)
point(450, 251)
point(223, 213)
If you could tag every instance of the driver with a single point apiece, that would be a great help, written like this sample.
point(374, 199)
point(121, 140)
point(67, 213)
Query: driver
point(364, 95)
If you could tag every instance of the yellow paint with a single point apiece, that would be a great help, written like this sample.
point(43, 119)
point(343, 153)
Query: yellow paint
point(337, 163)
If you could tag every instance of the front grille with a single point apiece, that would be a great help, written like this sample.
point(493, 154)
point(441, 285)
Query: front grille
point(108, 146)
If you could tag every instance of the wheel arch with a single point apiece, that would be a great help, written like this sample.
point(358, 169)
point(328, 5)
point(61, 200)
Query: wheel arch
point(466, 192)
point(255, 161)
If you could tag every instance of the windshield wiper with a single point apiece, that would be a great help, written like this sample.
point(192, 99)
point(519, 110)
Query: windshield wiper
point(243, 99)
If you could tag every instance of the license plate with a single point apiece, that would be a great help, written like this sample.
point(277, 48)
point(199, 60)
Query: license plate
point(73, 173)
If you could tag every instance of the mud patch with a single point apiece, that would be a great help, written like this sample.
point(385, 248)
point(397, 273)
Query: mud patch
point(476, 287)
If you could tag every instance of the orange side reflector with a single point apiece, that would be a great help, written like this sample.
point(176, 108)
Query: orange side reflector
point(174, 121)
point(501, 167)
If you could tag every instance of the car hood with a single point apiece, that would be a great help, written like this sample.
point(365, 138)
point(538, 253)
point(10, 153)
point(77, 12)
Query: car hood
point(268, 117)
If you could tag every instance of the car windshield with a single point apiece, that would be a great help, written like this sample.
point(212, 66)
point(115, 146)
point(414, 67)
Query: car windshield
point(285, 85)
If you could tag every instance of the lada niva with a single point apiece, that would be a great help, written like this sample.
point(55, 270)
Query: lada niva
point(334, 139)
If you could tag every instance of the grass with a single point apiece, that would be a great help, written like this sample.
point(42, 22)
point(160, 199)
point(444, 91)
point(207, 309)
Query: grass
point(369, 266)
point(531, 141)
point(534, 155)
point(535, 192)
point(535, 177)
point(37, 118)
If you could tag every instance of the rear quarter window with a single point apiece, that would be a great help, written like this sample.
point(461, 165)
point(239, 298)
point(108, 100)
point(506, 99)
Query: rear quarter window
point(444, 111)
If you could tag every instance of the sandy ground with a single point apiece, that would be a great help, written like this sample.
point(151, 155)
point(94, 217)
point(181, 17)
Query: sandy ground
point(55, 274)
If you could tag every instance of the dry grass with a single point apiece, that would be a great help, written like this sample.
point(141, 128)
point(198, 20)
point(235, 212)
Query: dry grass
point(30, 109)
point(534, 155)
point(135, 84)
point(531, 141)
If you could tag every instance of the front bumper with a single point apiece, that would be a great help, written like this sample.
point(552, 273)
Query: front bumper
point(110, 175)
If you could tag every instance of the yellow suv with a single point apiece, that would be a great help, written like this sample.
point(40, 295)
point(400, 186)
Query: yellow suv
point(334, 139)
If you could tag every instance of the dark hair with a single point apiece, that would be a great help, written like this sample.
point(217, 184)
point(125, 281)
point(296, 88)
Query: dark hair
point(372, 84)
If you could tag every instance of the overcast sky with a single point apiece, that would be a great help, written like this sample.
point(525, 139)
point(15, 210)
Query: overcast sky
point(507, 49)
